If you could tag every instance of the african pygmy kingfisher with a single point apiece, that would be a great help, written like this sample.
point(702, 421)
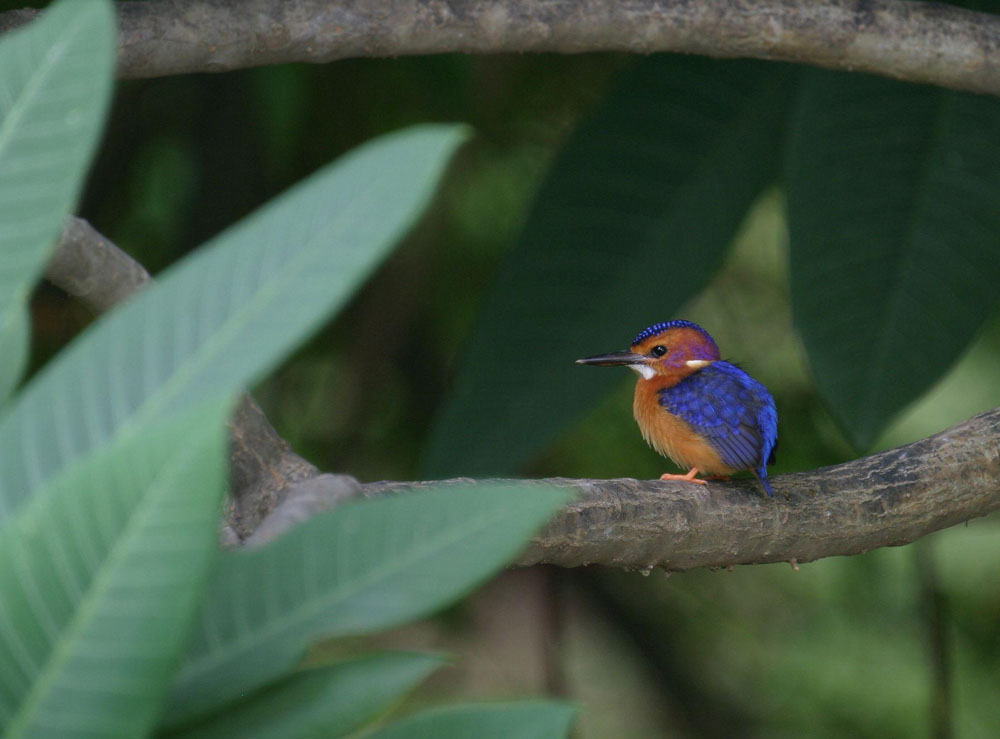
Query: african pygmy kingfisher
point(703, 413)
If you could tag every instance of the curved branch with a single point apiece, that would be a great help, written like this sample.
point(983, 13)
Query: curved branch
point(886, 499)
point(916, 41)
point(90, 268)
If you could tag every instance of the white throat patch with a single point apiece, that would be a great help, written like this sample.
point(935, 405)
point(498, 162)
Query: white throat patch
point(643, 369)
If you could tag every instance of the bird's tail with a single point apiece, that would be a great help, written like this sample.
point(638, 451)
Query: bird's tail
point(761, 476)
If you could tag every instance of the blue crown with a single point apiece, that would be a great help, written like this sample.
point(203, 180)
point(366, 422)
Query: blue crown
point(659, 328)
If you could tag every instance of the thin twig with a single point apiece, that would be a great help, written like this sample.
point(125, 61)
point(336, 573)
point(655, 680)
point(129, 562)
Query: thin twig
point(934, 608)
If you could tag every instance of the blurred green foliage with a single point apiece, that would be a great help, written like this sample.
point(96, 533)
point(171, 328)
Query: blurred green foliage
point(634, 216)
point(114, 456)
point(839, 648)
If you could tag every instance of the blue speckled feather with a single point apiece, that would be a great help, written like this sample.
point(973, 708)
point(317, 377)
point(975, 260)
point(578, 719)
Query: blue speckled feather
point(659, 328)
point(734, 412)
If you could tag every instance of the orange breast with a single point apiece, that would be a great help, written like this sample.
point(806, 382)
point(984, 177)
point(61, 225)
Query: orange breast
point(671, 436)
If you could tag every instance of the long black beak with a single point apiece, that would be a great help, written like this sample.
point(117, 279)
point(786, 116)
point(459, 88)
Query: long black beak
point(622, 357)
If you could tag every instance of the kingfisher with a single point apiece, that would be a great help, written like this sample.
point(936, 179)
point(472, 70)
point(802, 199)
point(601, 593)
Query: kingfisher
point(705, 414)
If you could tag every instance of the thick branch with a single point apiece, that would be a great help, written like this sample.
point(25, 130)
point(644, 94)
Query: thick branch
point(90, 268)
point(886, 499)
point(915, 41)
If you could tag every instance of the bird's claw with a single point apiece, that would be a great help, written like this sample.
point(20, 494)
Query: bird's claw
point(687, 477)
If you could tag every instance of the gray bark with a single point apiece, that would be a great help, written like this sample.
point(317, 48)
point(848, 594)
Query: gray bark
point(887, 499)
point(93, 270)
point(916, 41)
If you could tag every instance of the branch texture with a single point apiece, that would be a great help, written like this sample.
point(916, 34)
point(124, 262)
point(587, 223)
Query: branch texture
point(93, 270)
point(887, 499)
point(90, 268)
point(916, 41)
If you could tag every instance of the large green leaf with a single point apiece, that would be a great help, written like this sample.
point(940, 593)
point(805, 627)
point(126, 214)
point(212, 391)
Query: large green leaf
point(55, 83)
point(101, 577)
point(523, 720)
point(327, 701)
point(226, 314)
point(894, 218)
point(632, 221)
point(359, 568)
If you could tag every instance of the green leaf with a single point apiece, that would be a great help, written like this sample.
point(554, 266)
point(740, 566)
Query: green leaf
point(359, 568)
point(632, 221)
point(226, 314)
point(101, 577)
point(55, 83)
point(520, 720)
point(894, 220)
point(327, 701)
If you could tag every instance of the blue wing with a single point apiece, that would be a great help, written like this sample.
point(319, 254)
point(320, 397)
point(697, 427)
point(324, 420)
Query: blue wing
point(734, 412)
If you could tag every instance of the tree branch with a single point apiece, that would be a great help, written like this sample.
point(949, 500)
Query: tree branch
point(90, 268)
point(886, 499)
point(915, 41)
point(93, 270)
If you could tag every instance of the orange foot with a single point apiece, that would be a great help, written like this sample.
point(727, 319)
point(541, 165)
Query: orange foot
point(689, 477)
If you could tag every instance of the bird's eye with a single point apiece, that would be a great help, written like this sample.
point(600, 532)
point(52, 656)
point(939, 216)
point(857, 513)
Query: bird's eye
point(659, 350)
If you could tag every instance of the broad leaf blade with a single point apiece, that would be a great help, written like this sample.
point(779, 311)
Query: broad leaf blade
point(101, 576)
point(55, 83)
point(631, 222)
point(359, 568)
point(328, 701)
point(523, 720)
point(894, 220)
point(229, 312)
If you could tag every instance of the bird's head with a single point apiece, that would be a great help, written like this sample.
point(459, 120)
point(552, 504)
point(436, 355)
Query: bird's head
point(673, 350)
